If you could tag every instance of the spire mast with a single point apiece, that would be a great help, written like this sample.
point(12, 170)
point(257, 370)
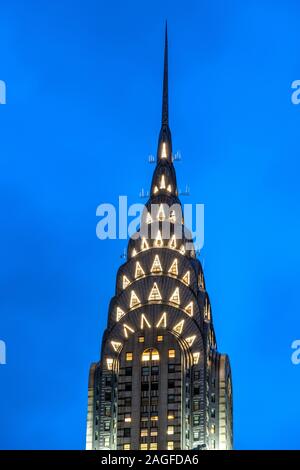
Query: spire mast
point(165, 97)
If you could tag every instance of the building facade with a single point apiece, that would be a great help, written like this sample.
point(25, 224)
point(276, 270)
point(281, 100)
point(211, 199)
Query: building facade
point(161, 382)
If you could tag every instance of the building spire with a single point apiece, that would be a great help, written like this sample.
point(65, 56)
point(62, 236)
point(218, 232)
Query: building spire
point(164, 150)
point(165, 97)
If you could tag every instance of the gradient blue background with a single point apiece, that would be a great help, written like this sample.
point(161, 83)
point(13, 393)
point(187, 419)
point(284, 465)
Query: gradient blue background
point(82, 114)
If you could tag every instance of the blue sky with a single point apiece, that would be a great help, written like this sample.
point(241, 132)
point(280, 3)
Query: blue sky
point(82, 115)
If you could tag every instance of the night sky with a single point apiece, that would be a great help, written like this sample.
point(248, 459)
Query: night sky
point(83, 110)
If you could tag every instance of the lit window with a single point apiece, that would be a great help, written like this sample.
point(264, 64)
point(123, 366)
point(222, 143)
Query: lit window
point(144, 432)
point(169, 188)
point(106, 441)
point(178, 327)
point(161, 213)
point(170, 445)
point(109, 363)
point(146, 355)
point(189, 309)
point(156, 266)
point(126, 282)
point(154, 418)
point(138, 270)
point(175, 296)
point(144, 244)
point(153, 432)
point(174, 267)
point(129, 356)
point(172, 242)
point(213, 429)
point(186, 278)
point(116, 345)
point(155, 355)
point(153, 446)
point(190, 340)
point(158, 240)
point(133, 252)
point(120, 313)
point(134, 300)
point(163, 151)
point(141, 339)
point(171, 353)
point(170, 430)
point(170, 416)
point(196, 357)
point(160, 338)
point(162, 323)
point(144, 447)
point(126, 446)
point(154, 294)
point(127, 328)
point(127, 418)
point(155, 190)
point(143, 321)
point(163, 182)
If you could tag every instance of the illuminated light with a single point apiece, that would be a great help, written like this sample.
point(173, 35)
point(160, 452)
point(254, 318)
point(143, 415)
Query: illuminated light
point(190, 340)
point(133, 254)
point(186, 278)
point(170, 416)
point(161, 213)
point(196, 357)
point(153, 446)
point(120, 313)
point(175, 298)
point(126, 447)
point(172, 242)
point(134, 300)
point(155, 355)
point(174, 267)
point(170, 445)
point(170, 430)
point(182, 250)
point(163, 182)
point(206, 310)
point(150, 355)
point(146, 355)
point(155, 190)
point(164, 151)
point(127, 419)
point(139, 270)
point(172, 216)
point(162, 322)
point(178, 327)
point(127, 328)
point(109, 363)
point(141, 339)
point(171, 353)
point(153, 432)
point(144, 320)
point(159, 241)
point(154, 294)
point(126, 282)
point(154, 418)
point(129, 356)
point(143, 446)
point(144, 432)
point(116, 345)
point(169, 188)
point(189, 309)
point(148, 218)
point(156, 266)
point(160, 338)
point(144, 244)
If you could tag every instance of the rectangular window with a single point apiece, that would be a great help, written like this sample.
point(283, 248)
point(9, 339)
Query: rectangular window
point(171, 398)
point(153, 432)
point(196, 405)
point(126, 446)
point(129, 356)
point(127, 418)
point(154, 417)
point(126, 432)
point(154, 386)
point(196, 420)
point(107, 411)
point(127, 401)
point(171, 415)
point(107, 396)
point(171, 368)
point(170, 445)
point(196, 390)
point(145, 386)
point(171, 383)
point(128, 371)
point(213, 429)
point(213, 413)
point(141, 339)
point(170, 430)
point(171, 353)
point(197, 375)
point(144, 432)
point(213, 398)
point(144, 447)
point(128, 387)
point(96, 436)
point(106, 425)
point(153, 446)
point(160, 338)
point(107, 381)
point(145, 371)
point(196, 435)
point(154, 370)
point(106, 441)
